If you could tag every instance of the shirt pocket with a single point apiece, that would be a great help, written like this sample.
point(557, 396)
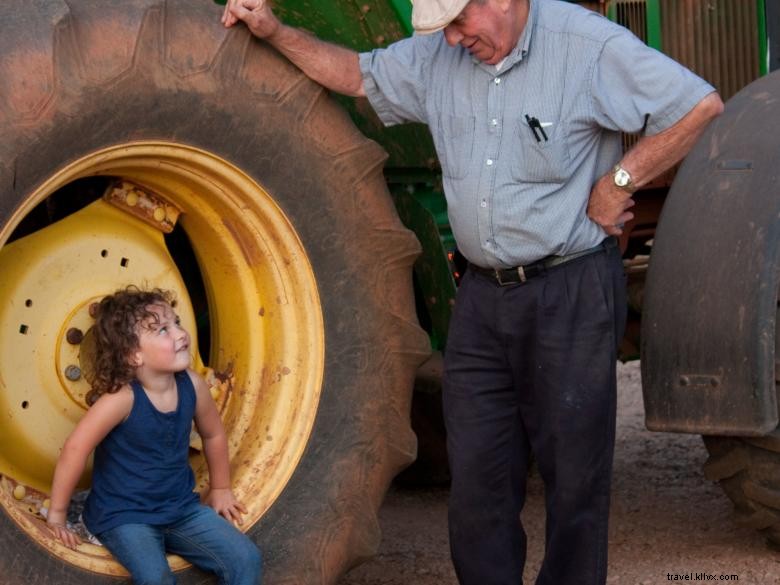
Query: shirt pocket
point(542, 161)
point(455, 145)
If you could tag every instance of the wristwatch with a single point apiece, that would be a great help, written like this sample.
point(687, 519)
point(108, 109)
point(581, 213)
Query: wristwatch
point(622, 179)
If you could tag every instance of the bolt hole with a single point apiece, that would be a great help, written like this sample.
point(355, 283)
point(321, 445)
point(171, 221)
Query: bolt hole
point(28, 303)
point(23, 329)
point(25, 404)
point(104, 253)
point(124, 262)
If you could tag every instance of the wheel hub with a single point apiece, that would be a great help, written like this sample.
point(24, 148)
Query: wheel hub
point(50, 279)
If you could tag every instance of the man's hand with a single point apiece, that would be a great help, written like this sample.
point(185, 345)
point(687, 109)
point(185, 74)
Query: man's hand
point(337, 68)
point(225, 504)
point(257, 15)
point(608, 205)
point(647, 159)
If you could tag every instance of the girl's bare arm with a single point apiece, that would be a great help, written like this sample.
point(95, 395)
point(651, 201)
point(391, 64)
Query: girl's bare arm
point(215, 448)
point(104, 415)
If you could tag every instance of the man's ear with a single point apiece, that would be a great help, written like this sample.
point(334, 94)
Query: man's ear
point(505, 5)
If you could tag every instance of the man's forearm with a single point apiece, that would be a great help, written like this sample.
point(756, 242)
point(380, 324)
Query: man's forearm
point(608, 204)
point(332, 66)
point(653, 155)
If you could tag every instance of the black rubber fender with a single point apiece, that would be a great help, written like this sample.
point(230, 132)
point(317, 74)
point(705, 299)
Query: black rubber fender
point(708, 323)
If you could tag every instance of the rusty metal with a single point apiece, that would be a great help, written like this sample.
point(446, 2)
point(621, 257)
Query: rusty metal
point(717, 39)
point(710, 305)
point(633, 15)
point(74, 335)
point(147, 206)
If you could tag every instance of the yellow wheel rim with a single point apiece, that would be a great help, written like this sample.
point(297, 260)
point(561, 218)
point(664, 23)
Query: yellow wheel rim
point(267, 339)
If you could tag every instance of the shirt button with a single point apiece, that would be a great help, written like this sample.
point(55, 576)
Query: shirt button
point(494, 122)
point(497, 80)
point(489, 162)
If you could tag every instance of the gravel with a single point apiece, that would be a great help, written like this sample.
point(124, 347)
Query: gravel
point(667, 520)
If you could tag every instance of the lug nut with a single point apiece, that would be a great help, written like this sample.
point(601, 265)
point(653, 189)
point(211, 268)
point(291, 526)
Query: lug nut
point(19, 491)
point(74, 335)
point(73, 373)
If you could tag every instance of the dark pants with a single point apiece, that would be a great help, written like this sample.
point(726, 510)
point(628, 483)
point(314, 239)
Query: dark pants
point(531, 368)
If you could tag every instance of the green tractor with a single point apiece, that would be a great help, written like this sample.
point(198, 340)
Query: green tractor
point(142, 143)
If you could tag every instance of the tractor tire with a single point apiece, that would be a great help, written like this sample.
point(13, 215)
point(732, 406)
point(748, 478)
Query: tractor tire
point(94, 88)
point(748, 470)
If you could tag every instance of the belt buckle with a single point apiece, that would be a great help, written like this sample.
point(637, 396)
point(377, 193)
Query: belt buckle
point(520, 274)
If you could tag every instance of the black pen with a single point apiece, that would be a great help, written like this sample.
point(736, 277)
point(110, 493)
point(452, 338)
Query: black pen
point(532, 126)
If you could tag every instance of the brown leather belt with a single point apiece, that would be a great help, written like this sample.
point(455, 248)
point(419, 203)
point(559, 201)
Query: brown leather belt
point(519, 274)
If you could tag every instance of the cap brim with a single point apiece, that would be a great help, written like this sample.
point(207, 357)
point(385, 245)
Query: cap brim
point(433, 26)
point(430, 31)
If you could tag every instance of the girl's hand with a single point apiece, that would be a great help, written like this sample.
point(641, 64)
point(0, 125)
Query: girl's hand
point(61, 532)
point(225, 504)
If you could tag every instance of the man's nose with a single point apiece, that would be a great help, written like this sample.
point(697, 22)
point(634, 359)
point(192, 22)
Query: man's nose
point(452, 36)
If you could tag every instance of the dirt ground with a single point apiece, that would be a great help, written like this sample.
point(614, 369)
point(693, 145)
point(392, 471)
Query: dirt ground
point(667, 519)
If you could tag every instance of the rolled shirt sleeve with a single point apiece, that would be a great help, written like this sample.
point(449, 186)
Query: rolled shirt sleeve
point(635, 87)
point(396, 79)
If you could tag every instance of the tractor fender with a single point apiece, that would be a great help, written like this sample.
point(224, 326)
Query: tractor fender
point(709, 317)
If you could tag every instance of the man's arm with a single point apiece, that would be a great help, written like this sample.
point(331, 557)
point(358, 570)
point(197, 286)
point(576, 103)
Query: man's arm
point(652, 155)
point(332, 66)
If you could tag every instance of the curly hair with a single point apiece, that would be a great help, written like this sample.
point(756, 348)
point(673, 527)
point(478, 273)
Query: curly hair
point(116, 336)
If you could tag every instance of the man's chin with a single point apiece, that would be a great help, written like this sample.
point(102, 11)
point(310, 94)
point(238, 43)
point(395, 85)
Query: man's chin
point(488, 58)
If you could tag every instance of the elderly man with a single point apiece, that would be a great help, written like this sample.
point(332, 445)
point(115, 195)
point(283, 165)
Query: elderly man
point(525, 100)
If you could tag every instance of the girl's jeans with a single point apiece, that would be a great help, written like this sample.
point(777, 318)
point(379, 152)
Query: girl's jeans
point(202, 537)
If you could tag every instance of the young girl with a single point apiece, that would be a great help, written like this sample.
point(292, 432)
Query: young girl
point(143, 400)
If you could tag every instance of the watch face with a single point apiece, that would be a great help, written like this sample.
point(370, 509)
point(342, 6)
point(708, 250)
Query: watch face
point(622, 178)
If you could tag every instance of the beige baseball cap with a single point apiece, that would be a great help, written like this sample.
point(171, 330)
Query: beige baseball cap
point(430, 16)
